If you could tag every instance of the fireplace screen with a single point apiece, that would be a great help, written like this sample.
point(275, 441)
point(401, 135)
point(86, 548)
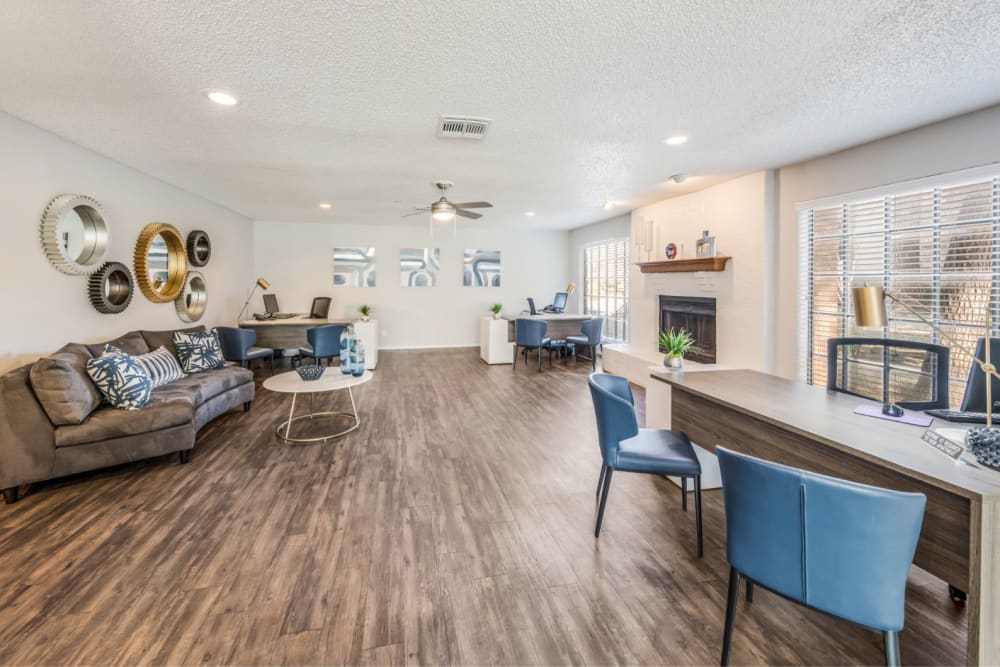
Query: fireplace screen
point(696, 315)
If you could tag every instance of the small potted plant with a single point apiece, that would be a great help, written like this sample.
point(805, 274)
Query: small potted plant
point(675, 344)
point(495, 309)
point(366, 312)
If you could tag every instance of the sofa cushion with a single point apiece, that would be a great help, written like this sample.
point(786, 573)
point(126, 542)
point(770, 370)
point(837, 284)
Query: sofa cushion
point(160, 365)
point(155, 339)
point(202, 387)
point(198, 351)
point(131, 343)
point(121, 379)
point(62, 386)
point(105, 423)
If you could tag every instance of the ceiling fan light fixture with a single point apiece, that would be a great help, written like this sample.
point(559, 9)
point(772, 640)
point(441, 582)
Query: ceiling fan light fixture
point(442, 211)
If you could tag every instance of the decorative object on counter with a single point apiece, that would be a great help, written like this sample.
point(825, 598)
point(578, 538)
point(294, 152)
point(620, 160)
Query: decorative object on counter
point(419, 267)
point(74, 234)
point(358, 358)
point(261, 283)
point(199, 248)
point(984, 444)
point(496, 308)
point(365, 311)
point(705, 247)
point(110, 288)
point(354, 267)
point(311, 373)
point(160, 262)
point(675, 344)
point(348, 344)
point(670, 251)
point(193, 299)
point(481, 268)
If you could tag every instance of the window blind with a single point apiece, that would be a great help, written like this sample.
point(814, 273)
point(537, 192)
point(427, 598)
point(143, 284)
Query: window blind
point(605, 286)
point(936, 249)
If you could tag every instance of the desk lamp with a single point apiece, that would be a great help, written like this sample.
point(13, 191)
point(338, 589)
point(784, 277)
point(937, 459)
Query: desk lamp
point(869, 312)
point(261, 283)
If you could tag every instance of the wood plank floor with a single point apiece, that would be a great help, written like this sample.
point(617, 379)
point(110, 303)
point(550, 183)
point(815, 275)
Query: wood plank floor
point(455, 527)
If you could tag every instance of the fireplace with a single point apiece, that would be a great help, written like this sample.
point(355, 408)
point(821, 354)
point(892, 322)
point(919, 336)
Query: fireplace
point(697, 315)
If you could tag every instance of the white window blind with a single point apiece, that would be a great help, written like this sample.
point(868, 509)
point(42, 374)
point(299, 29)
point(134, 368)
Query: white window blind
point(605, 286)
point(936, 249)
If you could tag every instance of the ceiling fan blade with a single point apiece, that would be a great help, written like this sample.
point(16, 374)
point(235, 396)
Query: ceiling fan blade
point(416, 212)
point(474, 204)
point(468, 214)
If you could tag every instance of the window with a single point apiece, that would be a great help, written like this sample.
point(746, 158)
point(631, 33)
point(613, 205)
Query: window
point(936, 247)
point(605, 286)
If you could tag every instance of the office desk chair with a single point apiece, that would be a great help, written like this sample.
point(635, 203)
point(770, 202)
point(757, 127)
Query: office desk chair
point(324, 343)
point(531, 306)
point(628, 448)
point(530, 335)
point(320, 308)
point(836, 546)
point(871, 368)
point(590, 336)
point(240, 345)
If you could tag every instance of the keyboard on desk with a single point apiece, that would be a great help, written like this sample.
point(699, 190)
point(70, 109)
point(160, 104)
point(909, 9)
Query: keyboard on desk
point(284, 316)
point(958, 416)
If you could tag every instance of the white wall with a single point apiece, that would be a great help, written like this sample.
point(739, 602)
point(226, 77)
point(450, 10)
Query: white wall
point(957, 143)
point(736, 213)
point(43, 308)
point(297, 259)
point(604, 230)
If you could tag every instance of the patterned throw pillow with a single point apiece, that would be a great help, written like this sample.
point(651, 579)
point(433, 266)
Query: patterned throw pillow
point(160, 365)
point(198, 350)
point(121, 379)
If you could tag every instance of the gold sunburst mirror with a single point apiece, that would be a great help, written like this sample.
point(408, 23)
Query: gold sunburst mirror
point(160, 262)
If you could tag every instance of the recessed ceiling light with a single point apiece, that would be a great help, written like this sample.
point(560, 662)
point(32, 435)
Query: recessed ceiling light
point(222, 98)
point(326, 205)
point(530, 214)
point(608, 205)
point(678, 178)
point(675, 140)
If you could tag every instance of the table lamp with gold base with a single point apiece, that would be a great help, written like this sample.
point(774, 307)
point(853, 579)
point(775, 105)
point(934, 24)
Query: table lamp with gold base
point(869, 312)
point(261, 283)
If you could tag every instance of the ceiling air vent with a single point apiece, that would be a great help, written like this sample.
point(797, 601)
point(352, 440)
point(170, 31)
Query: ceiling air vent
point(462, 127)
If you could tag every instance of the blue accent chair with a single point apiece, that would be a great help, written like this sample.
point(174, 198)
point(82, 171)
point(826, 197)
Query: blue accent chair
point(324, 343)
point(628, 448)
point(240, 345)
point(590, 337)
point(530, 335)
point(836, 546)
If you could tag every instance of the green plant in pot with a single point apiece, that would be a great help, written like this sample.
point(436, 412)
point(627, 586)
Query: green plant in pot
point(495, 309)
point(676, 344)
point(366, 312)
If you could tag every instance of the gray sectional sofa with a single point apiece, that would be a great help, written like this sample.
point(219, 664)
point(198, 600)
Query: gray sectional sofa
point(52, 421)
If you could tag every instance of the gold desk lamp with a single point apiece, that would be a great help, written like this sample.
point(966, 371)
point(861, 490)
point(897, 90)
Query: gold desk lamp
point(261, 283)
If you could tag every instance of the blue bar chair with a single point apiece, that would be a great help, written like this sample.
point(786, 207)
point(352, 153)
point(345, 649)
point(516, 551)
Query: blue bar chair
point(324, 343)
point(836, 546)
point(530, 335)
point(240, 345)
point(590, 336)
point(628, 448)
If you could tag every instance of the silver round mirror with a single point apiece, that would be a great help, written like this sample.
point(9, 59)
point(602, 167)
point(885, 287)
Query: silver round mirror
point(193, 300)
point(74, 234)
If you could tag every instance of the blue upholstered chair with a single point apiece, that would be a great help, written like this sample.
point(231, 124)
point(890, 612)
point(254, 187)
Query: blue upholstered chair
point(324, 343)
point(590, 336)
point(628, 448)
point(529, 335)
point(240, 345)
point(837, 546)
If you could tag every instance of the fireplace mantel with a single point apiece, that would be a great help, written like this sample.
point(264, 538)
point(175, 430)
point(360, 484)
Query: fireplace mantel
point(685, 265)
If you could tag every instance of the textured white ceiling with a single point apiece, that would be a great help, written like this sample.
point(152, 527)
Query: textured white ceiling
point(340, 99)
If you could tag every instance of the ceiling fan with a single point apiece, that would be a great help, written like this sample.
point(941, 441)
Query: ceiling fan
point(445, 211)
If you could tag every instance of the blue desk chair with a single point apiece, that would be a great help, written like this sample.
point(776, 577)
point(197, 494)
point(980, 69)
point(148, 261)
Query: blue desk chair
point(590, 336)
point(530, 335)
point(240, 345)
point(324, 343)
point(626, 447)
point(836, 546)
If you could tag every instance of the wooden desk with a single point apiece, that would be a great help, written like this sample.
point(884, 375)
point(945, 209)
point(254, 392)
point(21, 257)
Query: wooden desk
point(811, 428)
point(560, 324)
point(286, 334)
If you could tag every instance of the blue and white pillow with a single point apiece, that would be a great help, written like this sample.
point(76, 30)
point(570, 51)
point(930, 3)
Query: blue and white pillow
point(121, 379)
point(198, 350)
point(160, 365)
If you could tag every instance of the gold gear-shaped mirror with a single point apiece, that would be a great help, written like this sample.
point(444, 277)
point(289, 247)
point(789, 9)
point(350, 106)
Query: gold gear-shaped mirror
point(160, 262)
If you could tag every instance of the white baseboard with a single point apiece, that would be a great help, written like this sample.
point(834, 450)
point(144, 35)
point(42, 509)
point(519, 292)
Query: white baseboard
point(430, 347)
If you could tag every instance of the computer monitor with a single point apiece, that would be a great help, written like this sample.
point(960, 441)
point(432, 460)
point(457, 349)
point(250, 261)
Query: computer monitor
point(531, 306)
point(320, 308)
point(560, 301)
point(974, 399)
point(271, 304)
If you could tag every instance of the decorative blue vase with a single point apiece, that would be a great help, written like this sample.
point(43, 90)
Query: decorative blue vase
point(348, 343)
point(358, 368)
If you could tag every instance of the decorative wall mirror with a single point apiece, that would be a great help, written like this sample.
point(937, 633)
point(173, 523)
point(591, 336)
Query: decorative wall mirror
point(110, 288)
point(199, 248)
point(74, 234)
point(160, 262)
point(193, 299)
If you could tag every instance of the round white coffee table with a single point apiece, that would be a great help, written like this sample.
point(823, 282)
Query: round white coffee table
point(332, 380)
